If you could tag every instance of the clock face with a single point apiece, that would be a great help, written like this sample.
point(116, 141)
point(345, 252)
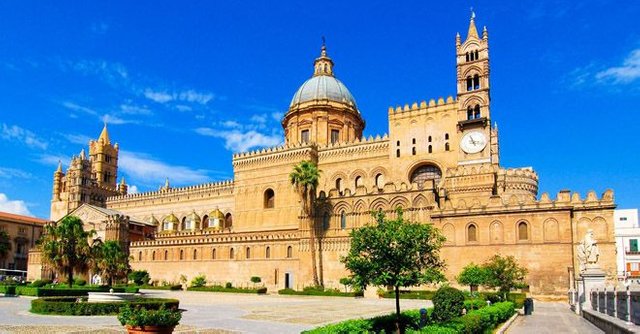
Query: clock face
point(473, 142)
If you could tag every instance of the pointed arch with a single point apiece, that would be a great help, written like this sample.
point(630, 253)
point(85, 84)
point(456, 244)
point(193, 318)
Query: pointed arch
point(420, 201)
point(399, 201)
point(496, 232)
point(472, 233)
point(449, 232)
point(550, 230)
point(379, 204)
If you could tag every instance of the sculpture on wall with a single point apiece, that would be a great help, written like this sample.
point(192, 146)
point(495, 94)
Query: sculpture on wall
point(588, 252)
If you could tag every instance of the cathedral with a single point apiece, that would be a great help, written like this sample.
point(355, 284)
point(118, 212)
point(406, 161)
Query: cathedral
point(439, 163)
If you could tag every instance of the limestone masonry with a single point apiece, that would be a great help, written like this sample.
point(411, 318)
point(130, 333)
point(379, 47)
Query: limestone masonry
point(439, 162)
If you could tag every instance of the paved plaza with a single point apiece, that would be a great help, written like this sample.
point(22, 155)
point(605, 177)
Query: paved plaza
point(552, 318)
point(209, 312)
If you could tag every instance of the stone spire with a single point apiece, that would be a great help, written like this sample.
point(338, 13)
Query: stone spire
point(473, 32)
point(83, 156)
point(59, 170)
point(104, 135)
point(323, 65)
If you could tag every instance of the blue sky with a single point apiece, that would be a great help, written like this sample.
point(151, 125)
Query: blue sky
point(183, 85)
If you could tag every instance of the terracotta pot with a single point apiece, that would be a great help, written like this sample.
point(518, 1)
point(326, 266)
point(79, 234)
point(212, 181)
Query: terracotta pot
point(150, 329)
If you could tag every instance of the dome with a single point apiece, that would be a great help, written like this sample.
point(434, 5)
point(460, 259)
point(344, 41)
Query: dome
point(323, 87)
point(153, 221)
point(172, 219)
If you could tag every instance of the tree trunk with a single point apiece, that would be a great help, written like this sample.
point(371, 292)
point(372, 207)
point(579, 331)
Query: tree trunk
point(397, 288)
point(312, 244)
point(70, 277)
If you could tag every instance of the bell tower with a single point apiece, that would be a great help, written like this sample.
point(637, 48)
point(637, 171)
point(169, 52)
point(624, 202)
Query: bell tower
point(478, 142)
point(104, 160)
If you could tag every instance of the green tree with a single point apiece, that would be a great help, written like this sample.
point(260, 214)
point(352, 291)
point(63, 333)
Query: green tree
point(5, 244)
point(65, 247)
point(304, 178)
point(112, 261)
point(395, 252)
point(504, 273)
point(473, 275)
point(139, 277)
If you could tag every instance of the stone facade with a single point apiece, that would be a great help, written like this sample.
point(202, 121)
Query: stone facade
point(439, 162)
point(23, 233)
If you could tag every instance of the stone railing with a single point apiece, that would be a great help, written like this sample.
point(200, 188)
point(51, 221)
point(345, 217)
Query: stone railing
point(623, 304)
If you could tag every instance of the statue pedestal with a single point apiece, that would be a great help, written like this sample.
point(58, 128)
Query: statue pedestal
point(593, 277)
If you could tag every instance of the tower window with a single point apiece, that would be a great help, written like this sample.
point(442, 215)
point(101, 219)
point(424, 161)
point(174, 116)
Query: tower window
point(398, 153)
point(413, 141)
point(429, 138)
point(267, 252)
point(446, 136)
point(446, 146)
point(289, 252)
point(107, 158)
point(335, 136)
point(195, 254)
point(304, 136)
point(379, 181)
point(467, 56)
point(469, 83)
point(343, 220)
point(153, 256)
point(430, 149)
point(339, 185)
point(476, 55)
point(476, 82)
point(269, 198)
point(398, 143)
point(472, 231)
point(166, 255)
point(248, 253)
point(358, 182)
point(476, 111)
point(231, 253)
point(469, 113)
point(413, 151)
point(523, 231)
point(181, 254)
point(213, 254)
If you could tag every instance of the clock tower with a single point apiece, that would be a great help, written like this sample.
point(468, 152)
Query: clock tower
point(478, 140)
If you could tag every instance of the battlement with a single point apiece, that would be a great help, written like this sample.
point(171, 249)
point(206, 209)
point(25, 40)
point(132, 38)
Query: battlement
point(222, 186)
point(433, 106)
point(282, 154)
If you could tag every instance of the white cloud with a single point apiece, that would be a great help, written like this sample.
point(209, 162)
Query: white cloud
point(277, 116)
point(131, 109)
point(190, 95)
point(77, 139)
point(183, 108)
point(238, 141)
point(53, 160)
point(132, 189)
point(109, 72)
point(27, 137)
point(113, 119)
point(144, 168)
point(76, 107)
point(259, 118)
point(231, 124)
point(628, 72)
point(10, 173)
point(13, 206)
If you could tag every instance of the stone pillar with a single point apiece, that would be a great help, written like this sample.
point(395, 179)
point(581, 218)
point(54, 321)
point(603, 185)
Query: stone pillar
point(591, 278)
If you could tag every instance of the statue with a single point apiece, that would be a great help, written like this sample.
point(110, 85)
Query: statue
point(588, 252)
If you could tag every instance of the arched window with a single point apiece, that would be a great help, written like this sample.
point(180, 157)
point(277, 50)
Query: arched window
point(267, 252)
point(476, 55)
point(476, 111)
point(446, 136)
point(153, 256)
point(339, 185)
point(181, 254)
point(472, 233)
point(476, 82)
point(413, 151)
point(523, 231)
point(289, 252)
point(231, 253)
point(248, 253)
point(430, 149)
point(182, 226)
point(467, 56)
point(379, 181)
point(205, 221)
point(228, 220)
point(469, 83)
point(429, 138)
point(398, 153)
point(358, 182)
point(269, 198)
point(343, 220)
point(426, 173)
point(322, 195)
point(213, 254)
point(195, 254)
point(166, 255)
point(139, 256)
point(398, 143)
point(413, 141)
point(469, 112)
point(446, 146)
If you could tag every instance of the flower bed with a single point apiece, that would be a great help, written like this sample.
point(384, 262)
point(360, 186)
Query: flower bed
point(80, 306)
point(478, 321)
point(218, 288)
point(320, 292)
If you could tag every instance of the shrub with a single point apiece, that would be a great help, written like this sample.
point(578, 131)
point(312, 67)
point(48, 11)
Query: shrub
point(486, 318)
point(410, 294)
point(199, 281)
point(255, 279)
point(317, 292)
point(139, 277)
point(79, 282)
point(8, 290)
point(381, 324)
point(143, 317)
point(447, 303)
point(40, 283)
point(79, 306)
point(218, 288)
point(474, 304)
point(228, 285)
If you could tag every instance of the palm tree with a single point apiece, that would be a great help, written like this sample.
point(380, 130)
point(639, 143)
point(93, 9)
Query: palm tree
point(304, 178)
point(5, 244)
point(112, 261)
point(65, 247)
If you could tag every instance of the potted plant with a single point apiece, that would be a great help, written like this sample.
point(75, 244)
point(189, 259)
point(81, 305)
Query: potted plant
point(141, 320)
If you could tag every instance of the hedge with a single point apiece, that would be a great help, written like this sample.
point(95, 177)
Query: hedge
point(515, 297)
point(217, 288)
point(483, 320)
point(59, 292)
point(317, 292)
point(71, 306)
point(162, 287)
point(8, 290)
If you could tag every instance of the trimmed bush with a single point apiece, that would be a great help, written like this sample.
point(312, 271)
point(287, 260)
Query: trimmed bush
point(40, 283)
point(8, 290)
point(410, 294)
point(447, 304)
point(72, 292)
point(139, 277)
point(474, 304)
point(218, 288)
point(228, 285)
point(79, 306)
point(318, 292)
point(79, 282)
point(381, 324)
point(172, 287)
point(199, 281)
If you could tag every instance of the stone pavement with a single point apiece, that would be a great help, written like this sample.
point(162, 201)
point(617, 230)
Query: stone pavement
point(552, 318)
point(209, 312)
